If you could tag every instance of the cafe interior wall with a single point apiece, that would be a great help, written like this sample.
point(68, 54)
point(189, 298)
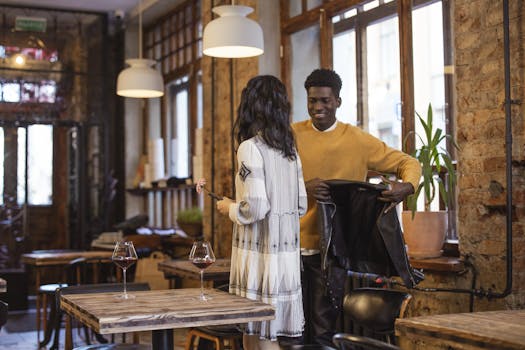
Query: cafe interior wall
point(479, 119)
point(480, 127)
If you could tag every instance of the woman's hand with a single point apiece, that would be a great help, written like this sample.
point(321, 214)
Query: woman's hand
point(223, 206)
point(200, 185)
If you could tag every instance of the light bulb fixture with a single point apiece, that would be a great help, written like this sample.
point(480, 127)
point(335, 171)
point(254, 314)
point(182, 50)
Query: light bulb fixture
point(232, 35)
point(140, 80)
point(19, 59)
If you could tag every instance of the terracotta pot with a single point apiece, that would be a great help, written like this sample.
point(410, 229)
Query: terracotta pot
point(424, 235)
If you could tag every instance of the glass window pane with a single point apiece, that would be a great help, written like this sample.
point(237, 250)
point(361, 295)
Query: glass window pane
point(11, 92)
point(40, 164)
point(295, 7)
point(47, 92)
point(345, 66)
point(384, 112)
point(182, 151)
point(429, 79)
point(310, 4)
point(305, 58)
point(21, 166)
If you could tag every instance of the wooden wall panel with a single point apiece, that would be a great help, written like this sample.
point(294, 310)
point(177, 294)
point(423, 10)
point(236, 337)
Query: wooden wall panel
point(223, 80)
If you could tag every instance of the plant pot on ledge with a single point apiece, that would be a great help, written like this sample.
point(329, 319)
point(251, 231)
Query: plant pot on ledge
point(425, 234)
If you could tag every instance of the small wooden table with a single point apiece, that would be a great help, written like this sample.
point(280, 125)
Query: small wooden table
point(57, 257)
point(219, 271)
point(500, 330)
point(162, 310)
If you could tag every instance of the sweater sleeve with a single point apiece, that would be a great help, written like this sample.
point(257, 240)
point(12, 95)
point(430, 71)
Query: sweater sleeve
point(386, 159)
point(251, 200)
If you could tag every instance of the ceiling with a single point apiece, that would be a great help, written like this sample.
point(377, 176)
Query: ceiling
point(127, 8)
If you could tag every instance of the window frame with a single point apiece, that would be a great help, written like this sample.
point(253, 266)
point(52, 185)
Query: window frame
point(323, 14)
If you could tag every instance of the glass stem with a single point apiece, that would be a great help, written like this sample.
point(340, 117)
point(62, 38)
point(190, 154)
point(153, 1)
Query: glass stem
point(202, 283)
point(124, 273)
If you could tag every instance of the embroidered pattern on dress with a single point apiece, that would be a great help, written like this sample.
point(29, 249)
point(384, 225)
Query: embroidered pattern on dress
point(244, 172)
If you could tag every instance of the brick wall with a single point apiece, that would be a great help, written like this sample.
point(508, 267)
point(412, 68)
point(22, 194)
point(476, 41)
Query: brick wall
point(480, 125)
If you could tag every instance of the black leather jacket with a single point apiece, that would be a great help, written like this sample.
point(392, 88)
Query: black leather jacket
point(357, 235)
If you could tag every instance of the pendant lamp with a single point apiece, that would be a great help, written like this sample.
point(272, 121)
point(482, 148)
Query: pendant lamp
point(232, 35)
point(140, 80)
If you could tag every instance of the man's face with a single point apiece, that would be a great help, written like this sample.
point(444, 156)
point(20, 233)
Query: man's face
point(322, 105)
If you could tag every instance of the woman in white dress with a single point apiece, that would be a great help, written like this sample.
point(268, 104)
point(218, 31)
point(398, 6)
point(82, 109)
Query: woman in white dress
point(270, 197)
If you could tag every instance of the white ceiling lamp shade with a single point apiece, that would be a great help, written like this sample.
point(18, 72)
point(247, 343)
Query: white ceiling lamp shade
point(140, 80)
point(232, 35)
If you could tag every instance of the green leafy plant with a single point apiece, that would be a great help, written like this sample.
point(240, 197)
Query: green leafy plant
point(191, 215)
point(434, 160)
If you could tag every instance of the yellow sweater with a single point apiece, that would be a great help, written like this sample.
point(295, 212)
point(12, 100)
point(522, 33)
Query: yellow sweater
point(347, 153)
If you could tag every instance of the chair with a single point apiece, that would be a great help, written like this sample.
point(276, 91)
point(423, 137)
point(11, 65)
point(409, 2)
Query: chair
point(223, 337)
point(345, 341)
point(115, 347)
point(46, 296)
point(376, 309)
point(86, 289)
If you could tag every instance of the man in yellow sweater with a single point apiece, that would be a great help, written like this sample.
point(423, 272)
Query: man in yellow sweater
point(330, 149)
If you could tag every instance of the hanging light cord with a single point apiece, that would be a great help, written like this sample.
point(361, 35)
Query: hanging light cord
point(140, 29)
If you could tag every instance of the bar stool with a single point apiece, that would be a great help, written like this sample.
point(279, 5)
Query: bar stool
point(224, 337)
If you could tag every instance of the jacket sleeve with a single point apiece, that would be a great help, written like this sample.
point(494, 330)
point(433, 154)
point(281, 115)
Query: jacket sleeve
point(252, 203)
point(303, 201)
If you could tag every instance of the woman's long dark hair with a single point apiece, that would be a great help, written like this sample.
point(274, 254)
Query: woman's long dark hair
point(265, 110)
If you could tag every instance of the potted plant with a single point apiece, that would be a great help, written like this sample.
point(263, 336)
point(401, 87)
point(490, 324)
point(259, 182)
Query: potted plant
point(425, 231)
point(190, 221)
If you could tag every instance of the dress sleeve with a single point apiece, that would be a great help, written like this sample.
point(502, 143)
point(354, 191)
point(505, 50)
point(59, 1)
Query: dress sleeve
point(303, 201)
point(251, 200)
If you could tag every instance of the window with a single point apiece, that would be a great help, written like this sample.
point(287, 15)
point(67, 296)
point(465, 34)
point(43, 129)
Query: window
point(34, 146)
point(366, 54)
point(175, 43)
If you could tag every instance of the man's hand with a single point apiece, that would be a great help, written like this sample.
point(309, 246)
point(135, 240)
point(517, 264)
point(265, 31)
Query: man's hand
point(223, 206)
point(318, 189)
point(396, 192)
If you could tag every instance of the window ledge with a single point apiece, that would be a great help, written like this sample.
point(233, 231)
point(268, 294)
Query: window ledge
point(441, 264)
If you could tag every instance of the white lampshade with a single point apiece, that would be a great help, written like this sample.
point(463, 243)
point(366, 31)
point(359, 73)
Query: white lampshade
point(232, 35)
point(140, 80)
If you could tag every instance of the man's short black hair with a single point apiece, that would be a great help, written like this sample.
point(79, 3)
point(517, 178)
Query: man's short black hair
point(324, 77)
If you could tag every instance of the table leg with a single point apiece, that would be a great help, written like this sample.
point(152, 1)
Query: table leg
point(37, 303)
point(162, 339)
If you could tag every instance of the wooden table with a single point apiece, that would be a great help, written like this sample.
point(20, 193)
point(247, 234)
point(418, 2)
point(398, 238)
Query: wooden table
point(500, 330)
point(218, 272)
point(57, 257)
point(162, 310)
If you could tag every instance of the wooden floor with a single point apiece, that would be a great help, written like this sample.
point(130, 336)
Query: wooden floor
point(26, 338)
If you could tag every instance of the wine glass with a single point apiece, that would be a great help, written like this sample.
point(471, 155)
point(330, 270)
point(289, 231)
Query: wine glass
point(201, 255)
point(124, 255)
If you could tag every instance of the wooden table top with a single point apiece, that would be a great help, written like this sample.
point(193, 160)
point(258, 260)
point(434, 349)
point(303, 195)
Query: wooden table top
point(58, 258)
point(163, 309)
point(500, 330)
point(218, 271)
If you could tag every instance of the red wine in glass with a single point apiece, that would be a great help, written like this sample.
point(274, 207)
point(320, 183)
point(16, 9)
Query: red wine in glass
point(124, 255)
point(124, 262)
point(202, 264)
point(201, 255)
